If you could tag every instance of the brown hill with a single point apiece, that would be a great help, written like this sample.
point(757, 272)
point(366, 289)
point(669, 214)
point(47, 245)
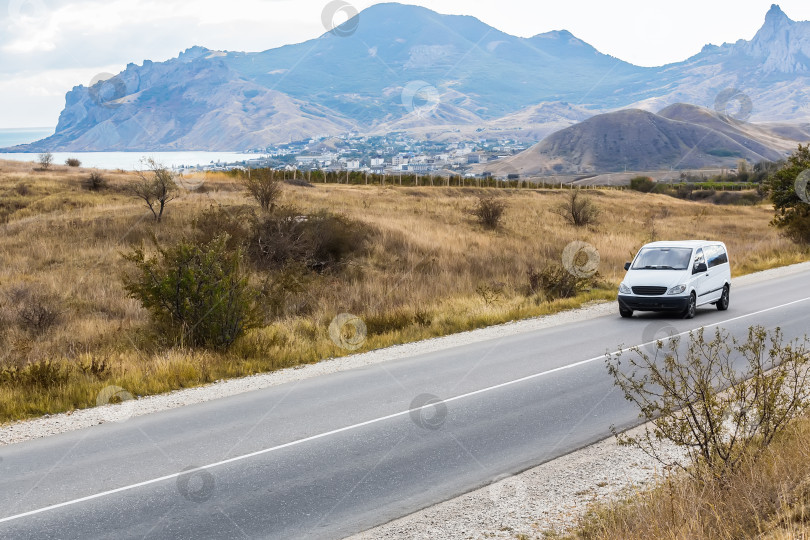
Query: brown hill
point(679, 137)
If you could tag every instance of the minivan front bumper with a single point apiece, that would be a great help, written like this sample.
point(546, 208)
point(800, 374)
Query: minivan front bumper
point(654, 303)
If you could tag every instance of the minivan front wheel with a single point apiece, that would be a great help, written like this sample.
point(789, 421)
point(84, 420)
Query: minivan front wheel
point(722, 304)
point(625, 312)
point(691, 308)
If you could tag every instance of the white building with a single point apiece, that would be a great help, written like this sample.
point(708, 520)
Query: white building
point(418, 167)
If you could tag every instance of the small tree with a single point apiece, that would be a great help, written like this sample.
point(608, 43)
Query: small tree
point(720, 399)
point(644, 184)
point(155, 187)
point(198, 291)
point(792, 207)
point(489, 211)
point(45, 160)
point(73, 162)
point(264, 186)
point(578, 210)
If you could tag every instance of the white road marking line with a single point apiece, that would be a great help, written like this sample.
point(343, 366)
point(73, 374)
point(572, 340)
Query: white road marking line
point(363, 424)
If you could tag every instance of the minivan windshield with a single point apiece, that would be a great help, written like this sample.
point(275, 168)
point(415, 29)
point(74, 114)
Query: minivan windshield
point(663, 258)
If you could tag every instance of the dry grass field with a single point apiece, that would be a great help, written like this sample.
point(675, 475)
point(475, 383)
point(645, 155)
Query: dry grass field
point(427, 269)
point(768, 499)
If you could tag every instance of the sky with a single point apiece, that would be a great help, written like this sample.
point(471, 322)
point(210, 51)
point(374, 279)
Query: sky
point(49, 46)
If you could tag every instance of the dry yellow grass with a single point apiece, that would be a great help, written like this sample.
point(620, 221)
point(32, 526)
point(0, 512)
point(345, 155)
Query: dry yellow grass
point(61, 245)
point(768, 499)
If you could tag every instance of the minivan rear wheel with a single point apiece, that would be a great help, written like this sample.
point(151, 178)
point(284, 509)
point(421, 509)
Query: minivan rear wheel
point(691, 308)
point(722, 304)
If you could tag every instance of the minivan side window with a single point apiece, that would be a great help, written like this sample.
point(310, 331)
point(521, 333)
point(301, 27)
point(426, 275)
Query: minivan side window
point(716, 256)
point(712, 254)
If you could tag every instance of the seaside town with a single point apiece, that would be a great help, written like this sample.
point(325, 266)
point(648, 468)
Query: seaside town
point(389, 154)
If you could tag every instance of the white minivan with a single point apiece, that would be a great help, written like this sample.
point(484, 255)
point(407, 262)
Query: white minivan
point(678, 277)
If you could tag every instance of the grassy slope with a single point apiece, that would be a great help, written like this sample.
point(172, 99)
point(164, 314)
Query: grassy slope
point(61, 245)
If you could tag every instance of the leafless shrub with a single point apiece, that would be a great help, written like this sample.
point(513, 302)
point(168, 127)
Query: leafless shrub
point(318, 241)
point(554, 282)
point(45, 160)
point(264, 186)
point(701, 400)
point(95, 182)
point(489, 211)
point(578, 210)
point(155, 187)
point(490, 292)
point(38, 313)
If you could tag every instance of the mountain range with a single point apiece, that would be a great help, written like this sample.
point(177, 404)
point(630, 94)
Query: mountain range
point(406, 68)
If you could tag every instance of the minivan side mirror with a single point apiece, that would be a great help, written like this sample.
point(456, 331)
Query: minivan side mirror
point(627, 266)
point(701, 267)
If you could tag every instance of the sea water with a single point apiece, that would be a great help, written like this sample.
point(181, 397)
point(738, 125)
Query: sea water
point(127, 161)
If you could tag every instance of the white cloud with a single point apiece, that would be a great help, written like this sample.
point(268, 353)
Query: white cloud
point(35, 100)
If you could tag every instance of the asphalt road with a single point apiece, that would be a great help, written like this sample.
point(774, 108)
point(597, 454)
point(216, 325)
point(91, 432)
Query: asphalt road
point(337, 454)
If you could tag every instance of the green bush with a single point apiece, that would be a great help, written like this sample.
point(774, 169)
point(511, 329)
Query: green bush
point(792, 212)
point(198, 291)
point(798, 229)
point(644, 184)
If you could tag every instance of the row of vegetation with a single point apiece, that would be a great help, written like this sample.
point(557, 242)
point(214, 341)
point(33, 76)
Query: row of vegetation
point(780, 182)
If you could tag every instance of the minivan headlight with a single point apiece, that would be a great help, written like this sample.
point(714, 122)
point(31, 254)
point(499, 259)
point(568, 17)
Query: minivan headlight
point(677, 289)
point(624, 289)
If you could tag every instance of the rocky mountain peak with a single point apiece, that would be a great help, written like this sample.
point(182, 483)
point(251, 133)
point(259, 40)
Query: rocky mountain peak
point(775, 15)
point(782, 44)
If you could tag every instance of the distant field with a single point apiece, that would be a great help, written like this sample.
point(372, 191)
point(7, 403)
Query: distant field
point(430, 270)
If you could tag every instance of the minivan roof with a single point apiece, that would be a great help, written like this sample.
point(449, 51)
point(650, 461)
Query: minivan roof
point(685, 243)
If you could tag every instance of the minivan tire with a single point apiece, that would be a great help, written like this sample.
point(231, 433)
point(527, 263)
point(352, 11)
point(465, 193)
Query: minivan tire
point(626, 313)
point(722, 304)
point(691, 308)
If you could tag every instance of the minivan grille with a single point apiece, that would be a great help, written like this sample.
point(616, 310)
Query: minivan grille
point(649, 291)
